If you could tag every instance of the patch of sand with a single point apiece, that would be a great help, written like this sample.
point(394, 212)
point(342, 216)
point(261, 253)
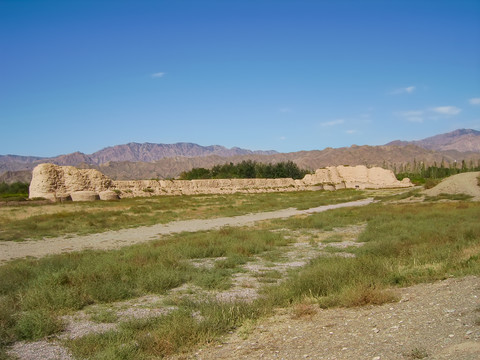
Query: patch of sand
point(465, 183)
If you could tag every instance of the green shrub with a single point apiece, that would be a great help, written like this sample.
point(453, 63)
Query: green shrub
point(37, 324)
point(15, 188)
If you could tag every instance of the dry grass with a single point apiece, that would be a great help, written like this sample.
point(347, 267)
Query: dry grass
point(303, 310)
point(404, 244)
point(56, 219)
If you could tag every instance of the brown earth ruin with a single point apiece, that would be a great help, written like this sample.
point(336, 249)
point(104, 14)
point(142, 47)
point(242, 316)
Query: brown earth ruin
point(59, 183)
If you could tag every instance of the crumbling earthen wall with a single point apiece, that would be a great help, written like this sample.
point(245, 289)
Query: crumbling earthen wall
point(55, 182)
point(66, 182)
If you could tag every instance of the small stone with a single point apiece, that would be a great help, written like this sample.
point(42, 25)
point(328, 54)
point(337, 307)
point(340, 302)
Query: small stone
point(469, 332)
point(451, 336)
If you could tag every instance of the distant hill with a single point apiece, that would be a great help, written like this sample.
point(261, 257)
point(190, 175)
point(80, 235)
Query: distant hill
point(149, 152)
point(133, 152)
point(14, 176)
point(146, 161)
point(385, 156)
point(462, 140)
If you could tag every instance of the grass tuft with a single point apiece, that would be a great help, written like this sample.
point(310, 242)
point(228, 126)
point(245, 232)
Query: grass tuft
point(303, 310)
point(404, 244)
point(36, 324)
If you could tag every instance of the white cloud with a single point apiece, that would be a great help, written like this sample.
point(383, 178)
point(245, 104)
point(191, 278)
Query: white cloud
point(435, 113)
point(474, 101)
point(285, 110)
point(410, 89)
point(333, 122)
point(405, 90)
point(282, 138)
point(158, 75)
point(412, 115)
point(447, 110)
point(351, 131)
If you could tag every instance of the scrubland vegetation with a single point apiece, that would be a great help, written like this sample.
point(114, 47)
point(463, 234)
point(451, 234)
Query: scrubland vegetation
point(403, 244)
point(37, 221)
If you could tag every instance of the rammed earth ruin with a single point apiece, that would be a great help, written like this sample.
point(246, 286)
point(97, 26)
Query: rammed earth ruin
point(59, 183)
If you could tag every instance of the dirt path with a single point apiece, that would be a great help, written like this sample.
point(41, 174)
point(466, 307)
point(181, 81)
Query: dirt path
point(10, 250)
point(431, 321)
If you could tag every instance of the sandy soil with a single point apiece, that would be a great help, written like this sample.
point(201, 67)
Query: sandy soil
point(465, 183)
point(432, 321)
point(10, 250)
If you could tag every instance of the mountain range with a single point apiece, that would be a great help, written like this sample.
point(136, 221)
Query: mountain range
point(148, 160)
point(462, 140)
point(134, 152)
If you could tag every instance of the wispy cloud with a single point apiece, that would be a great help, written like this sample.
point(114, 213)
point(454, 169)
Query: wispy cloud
point(474, 101)
point(333, 122)
point(158, 75)
point(285, 110)
point(412, 115)
point(447, 110)
point(351, 131)
point(404, 90)
point(282, 138)
point(435, 113)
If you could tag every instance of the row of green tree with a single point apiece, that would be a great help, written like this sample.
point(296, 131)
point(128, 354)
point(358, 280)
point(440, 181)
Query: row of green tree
point(17, 189)
point(419, 173)
point(247, 169)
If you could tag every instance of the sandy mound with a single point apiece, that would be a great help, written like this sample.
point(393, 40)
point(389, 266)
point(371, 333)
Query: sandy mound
point(465, 183)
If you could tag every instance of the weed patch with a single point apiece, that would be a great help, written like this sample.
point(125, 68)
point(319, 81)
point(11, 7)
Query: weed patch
point(404, 244)
point(85, 218)
point(442, 196)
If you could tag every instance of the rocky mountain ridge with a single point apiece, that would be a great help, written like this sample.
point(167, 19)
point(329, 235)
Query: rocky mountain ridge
point(462, 140)
point(161, 161)
point(133, 152)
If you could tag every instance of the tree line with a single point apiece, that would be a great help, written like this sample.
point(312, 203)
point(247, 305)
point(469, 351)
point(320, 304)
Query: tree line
point(16, 188)
point(247, 169)
point(418, 172)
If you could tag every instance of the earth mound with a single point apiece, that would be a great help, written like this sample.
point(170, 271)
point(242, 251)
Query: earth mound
point(60, 183)
point(465, 183)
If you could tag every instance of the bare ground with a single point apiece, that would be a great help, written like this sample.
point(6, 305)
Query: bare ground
point(432, 321)
point(438, 321)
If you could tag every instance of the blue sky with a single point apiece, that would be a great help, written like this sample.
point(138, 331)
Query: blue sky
point(283, 75)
